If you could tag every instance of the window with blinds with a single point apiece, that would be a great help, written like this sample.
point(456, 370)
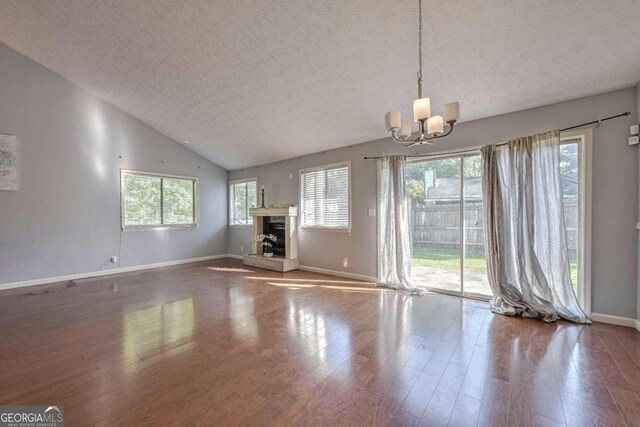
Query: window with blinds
point(243, 195)
point(152, 200)
point(325, 197)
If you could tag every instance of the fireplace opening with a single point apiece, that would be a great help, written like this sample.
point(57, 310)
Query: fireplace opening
point(275, 225)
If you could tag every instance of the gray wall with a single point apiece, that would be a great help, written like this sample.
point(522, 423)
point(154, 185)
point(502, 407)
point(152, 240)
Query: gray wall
point(615, 192)
point(65, 218)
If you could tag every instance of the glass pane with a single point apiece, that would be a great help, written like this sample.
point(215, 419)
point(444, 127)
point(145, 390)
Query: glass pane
point(141, 200)
point(475, 264)
point(314, 189)
point(178, 201)
point(252, 198)
point(570, 192)
point(240, 199)
point(337, 198)
point(433, 190)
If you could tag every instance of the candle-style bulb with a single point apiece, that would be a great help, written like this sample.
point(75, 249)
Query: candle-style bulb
point(435, 125)
point(451, 112)
point(392, 121)
point(421, 109)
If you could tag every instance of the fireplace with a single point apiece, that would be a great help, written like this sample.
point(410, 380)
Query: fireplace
point(275, 225)
point(281, 221)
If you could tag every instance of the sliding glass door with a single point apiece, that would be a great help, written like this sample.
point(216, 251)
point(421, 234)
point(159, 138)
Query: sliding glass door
point(447, 228)
point(575, 172)
point(434, 188)
point(447, 234)
point(474, 265)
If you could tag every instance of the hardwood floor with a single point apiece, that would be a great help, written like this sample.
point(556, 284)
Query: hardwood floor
point(215, 343)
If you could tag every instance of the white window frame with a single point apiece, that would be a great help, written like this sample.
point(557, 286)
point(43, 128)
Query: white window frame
point(301, 172)
point(149, 227)
point(232, 202)
point(585, 168)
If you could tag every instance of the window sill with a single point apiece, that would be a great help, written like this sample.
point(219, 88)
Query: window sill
point(240, 225)
point(158, 228)
point(327, 229)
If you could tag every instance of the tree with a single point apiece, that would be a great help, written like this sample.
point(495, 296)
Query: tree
point(151, 200)
point(415, 192)
point(569, 160)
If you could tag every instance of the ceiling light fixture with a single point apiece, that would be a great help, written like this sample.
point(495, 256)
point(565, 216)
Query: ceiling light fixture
point(186, 141)
point(429, 127)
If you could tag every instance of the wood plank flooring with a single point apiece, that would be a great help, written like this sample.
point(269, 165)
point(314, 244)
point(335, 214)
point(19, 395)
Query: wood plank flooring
point(215, 343)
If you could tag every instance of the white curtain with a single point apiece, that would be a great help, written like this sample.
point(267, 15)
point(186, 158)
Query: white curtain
point(525, 240)
point(394, 236)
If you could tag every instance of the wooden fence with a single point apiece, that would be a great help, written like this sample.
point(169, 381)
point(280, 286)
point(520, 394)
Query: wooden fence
point(438, 225)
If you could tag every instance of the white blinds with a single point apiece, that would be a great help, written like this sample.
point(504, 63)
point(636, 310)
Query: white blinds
point(325, 197)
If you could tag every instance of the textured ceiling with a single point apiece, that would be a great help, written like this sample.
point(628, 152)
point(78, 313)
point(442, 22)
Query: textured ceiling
point(253, 81)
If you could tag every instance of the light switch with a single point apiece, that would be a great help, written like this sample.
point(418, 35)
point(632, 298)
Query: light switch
point(372, 212)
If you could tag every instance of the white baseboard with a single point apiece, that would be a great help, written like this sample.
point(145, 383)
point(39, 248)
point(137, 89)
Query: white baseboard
point(235, 256)
point(615, 320)
point(361, 277)
point(46, 280)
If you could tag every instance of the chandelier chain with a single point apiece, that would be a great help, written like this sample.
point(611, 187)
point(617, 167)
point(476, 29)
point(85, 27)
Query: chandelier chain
point(420, 39)
point(430, 127)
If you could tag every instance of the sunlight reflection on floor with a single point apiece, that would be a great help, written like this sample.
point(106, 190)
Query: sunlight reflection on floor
point(348, 282)
point(230, 269)
point(336, 287)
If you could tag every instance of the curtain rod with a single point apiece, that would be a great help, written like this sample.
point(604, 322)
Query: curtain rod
point(595, 122)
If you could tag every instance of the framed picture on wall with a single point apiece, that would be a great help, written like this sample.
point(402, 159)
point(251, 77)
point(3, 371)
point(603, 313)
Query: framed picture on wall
point(8, 162)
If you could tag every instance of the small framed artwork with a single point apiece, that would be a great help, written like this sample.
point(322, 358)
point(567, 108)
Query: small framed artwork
point(8, 163)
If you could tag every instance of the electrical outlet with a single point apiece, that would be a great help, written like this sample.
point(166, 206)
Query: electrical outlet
point(241, 248)
point(290, 176)
point(113, 260)
point(372, 212)
point(345, 262)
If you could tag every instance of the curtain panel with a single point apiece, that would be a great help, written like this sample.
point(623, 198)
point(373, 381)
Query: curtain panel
point(525, 236)
point(394, 235)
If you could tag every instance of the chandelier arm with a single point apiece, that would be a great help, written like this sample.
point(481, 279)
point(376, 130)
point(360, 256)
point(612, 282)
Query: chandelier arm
point(443, 134)
point(407, 143)
point(421, 139)
point(396, 139)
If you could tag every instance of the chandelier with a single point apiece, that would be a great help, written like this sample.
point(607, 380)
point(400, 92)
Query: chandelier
point(429, 127)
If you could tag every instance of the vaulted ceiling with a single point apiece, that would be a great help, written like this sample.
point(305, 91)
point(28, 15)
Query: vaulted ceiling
point(250, 82)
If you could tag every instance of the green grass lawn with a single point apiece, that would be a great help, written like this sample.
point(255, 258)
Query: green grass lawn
point(449, 259)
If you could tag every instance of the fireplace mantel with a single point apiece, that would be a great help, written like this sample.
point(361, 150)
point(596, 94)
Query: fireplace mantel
point(289, 211)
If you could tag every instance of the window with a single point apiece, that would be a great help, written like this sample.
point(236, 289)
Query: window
point(243, 195)
point(325, 197)
point(152, 200)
